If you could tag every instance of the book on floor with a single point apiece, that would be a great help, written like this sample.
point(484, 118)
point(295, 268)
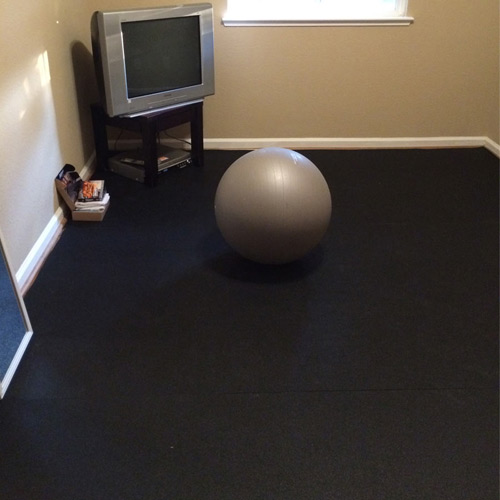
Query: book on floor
point(90, 191)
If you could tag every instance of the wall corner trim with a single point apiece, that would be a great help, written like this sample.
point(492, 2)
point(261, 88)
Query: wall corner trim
point(492, 146)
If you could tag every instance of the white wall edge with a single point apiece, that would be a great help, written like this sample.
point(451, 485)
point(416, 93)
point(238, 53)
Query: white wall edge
point(353, 143)
point(4, 384)
point(49, 235)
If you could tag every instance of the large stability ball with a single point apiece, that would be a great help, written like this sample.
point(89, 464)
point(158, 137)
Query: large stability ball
point(273, 206)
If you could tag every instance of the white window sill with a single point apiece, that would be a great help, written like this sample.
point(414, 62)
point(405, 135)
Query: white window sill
point(389, 21)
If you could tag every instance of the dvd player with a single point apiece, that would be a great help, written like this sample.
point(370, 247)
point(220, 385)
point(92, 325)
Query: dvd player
point(131, 163)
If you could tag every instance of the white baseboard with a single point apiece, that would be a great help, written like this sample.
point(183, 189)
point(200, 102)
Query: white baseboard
point(47, 239)
point(328, 143)
point(492, 146)
point(354, 143)
point(4, 383)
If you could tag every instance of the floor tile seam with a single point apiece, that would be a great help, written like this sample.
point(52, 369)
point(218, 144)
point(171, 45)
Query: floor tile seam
point(17, 399)
point(421, 222)
point(354, 391)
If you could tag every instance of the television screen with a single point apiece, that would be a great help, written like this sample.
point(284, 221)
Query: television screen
point(161, 55)
point(153, 58)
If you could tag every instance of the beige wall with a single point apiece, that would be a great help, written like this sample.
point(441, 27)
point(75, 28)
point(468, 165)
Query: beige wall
point(438, 77)
point(41, 126)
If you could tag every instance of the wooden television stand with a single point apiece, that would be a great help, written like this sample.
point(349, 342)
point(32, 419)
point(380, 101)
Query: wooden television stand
point(149, 125)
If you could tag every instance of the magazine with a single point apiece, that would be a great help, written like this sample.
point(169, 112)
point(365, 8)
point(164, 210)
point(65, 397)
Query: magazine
point(91, 191)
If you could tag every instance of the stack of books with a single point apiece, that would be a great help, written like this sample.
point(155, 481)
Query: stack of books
point(92, 196)
point(88, 200)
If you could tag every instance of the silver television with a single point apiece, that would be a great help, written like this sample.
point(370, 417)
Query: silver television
point(154, 58)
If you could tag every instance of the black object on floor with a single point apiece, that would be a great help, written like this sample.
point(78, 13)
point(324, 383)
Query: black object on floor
point(164, 366)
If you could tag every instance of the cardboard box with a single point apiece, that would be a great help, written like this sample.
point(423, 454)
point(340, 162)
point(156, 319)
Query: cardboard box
point(89, 216)
point(63, 189)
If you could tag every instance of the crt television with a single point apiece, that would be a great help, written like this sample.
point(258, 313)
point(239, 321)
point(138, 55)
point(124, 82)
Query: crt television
point(155, 58)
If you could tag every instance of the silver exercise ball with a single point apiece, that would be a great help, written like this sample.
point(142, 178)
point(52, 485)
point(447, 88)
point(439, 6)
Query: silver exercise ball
point(273, 206)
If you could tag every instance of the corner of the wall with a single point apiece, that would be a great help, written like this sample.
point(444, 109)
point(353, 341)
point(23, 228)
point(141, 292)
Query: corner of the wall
point(492, 146)
point(46, 241)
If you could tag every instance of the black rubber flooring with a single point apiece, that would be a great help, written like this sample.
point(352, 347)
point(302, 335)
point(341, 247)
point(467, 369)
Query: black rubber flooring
point(164, 366)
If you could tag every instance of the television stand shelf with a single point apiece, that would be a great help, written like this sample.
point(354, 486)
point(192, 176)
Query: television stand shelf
point(149, 125)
